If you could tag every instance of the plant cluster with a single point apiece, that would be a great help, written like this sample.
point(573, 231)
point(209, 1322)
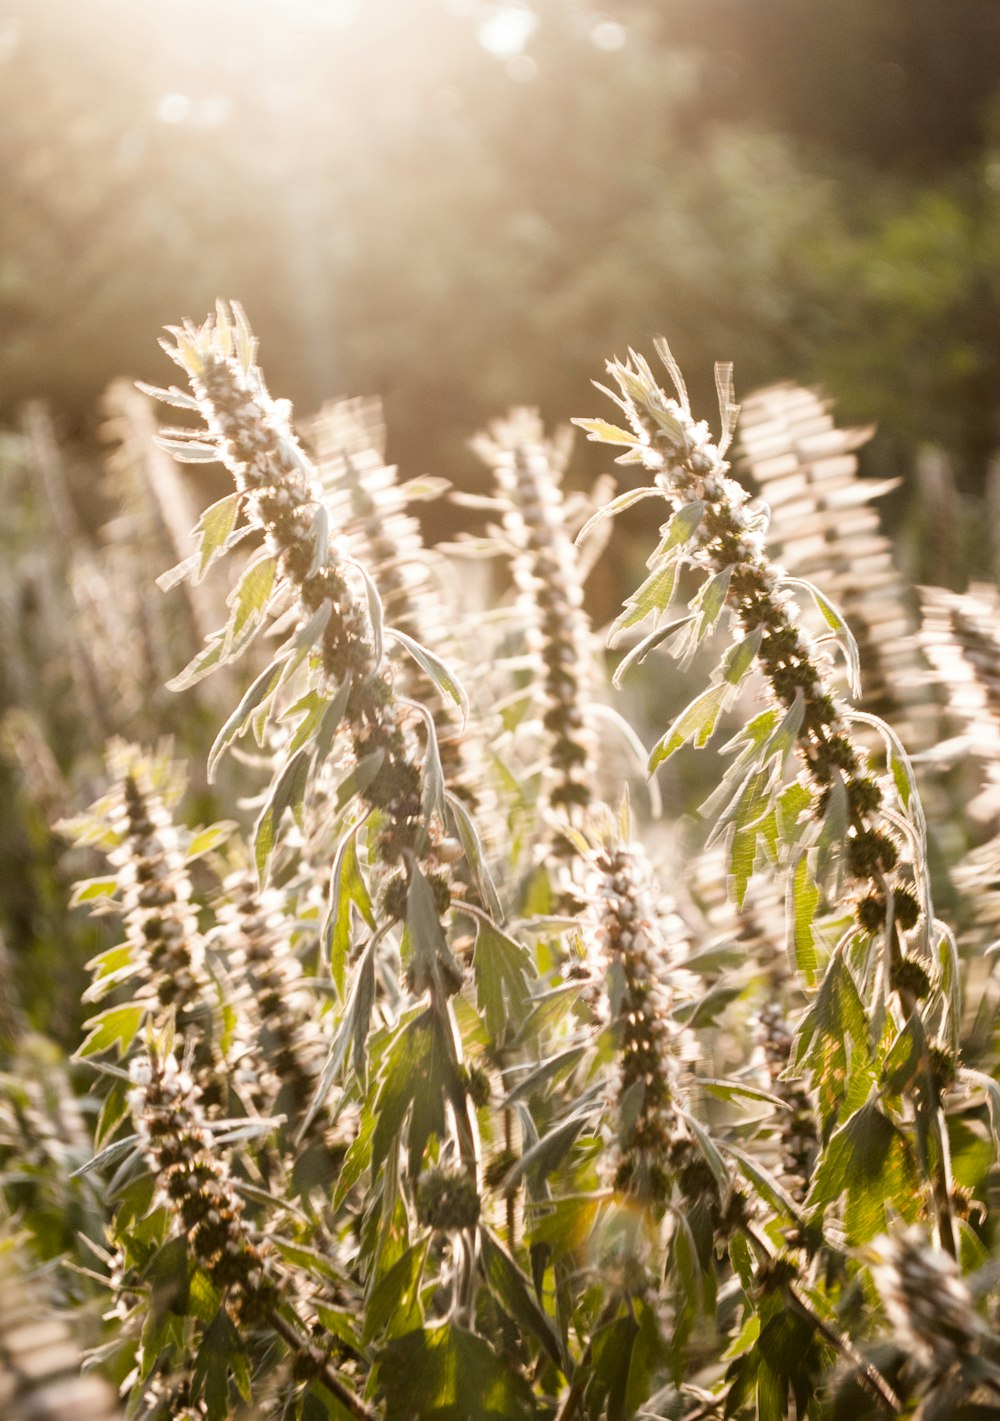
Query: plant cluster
point(439, 1091)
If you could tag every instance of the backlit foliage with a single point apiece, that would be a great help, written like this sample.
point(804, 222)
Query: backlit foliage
point(433, 1080)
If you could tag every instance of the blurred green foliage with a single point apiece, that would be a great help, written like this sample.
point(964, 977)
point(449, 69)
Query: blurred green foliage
point(462, 205)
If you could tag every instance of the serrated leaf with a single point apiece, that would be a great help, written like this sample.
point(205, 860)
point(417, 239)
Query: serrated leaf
point(249, 598)
point(443, 1373)
point(649, 643)
point(394, 1305)
point(213, 529)
point(869, 1160)
point(347, 889)
point(652, 597)
point(695, 723)
point(91, 890)
point(115, 1027)
point(288, 793)
point(513, 1291)
point(502, 970)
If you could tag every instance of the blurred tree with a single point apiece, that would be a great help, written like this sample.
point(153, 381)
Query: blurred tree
point(459, 205)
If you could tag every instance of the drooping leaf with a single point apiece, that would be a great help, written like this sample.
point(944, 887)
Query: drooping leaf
point(438, 671)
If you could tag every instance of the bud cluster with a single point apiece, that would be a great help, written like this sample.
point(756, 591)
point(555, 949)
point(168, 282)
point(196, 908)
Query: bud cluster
point(930, 1308)
point(653, 1137)
point(197, 1187)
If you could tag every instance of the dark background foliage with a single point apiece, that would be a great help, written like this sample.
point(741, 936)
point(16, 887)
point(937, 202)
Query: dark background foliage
point(463, 205)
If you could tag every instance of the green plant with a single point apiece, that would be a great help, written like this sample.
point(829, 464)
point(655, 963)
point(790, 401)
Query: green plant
point(401, 1120)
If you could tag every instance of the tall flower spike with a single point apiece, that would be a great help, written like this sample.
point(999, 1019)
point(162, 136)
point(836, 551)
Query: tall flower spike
point(340, 629)
point(251, 435)
point(366, 501)
point(720, 534)
point(252, 926)
point(654, 1151)
point(528, 471)
point(715, 530)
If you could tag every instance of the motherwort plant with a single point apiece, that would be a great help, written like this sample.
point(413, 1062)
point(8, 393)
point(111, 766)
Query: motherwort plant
point(373, 1146)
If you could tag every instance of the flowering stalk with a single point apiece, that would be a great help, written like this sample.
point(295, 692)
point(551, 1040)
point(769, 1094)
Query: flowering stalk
point(278, 488)
point(365, 499)
point(197, 1188)
point(797, 1126)
point(252, 926)
point(528, 471)
point(716, 530)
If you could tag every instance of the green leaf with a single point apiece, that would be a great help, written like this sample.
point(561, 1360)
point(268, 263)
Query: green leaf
point(869, 1160)
point(117, 1026)
point(288, 793)
point(394, 1304)
point(213, 529)
point(90, 890)
point(205, 840)
point(545, 1154)
point(249, 598)
point(680, 530)
point(833, 1039)
point(652, 596)
point(513, 1291)
point(263, 687)
point(649, 643)
point(468, 836)
point(220, 1355)
point(599, 431)
point(444, 1373)
point(418, 1073)
point(741, 656)
point(802, 902)
point(347, 889)
point(503, 970)
point(696, 723)
point(433, 960)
